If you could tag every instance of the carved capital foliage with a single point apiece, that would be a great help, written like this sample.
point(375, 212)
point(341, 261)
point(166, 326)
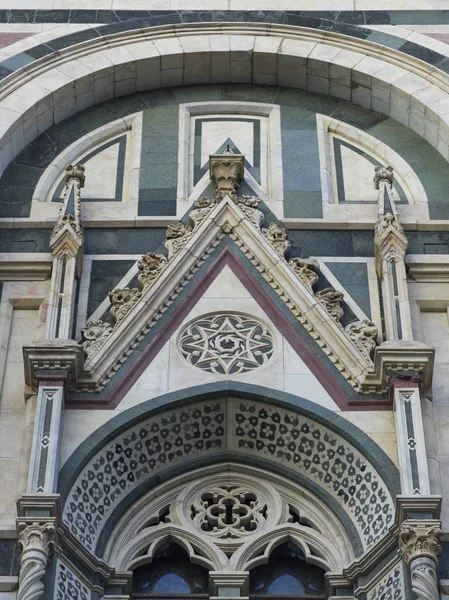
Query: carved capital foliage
point(331, 300)
point(226, 171)
point(277, 237)
point(122, 301)
point(95, 334)
point(150, 265)
point(420, 538)
point(36, 536)
point(306, 269)
point(383, 174)
point(75, 172)
point(363, 334)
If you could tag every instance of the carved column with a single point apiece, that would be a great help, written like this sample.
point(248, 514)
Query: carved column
point(66, 245)
point(35, 540)
point(410, 437)
point(421, 550)
point(390, 244)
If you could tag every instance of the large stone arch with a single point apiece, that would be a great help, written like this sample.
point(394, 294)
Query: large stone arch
point(63, 83)
point(221, 423)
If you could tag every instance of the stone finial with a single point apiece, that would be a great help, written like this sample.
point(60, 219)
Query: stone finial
point(226, 171)
point(383, 174)
point(75, 172)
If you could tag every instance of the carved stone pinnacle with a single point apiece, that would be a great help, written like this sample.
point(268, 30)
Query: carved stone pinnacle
point(383, 174)
point(75, 172)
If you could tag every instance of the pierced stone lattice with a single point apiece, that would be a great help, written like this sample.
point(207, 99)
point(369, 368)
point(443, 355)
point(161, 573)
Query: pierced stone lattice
point(205, 429)
point(229, 512)
point(68, 586)
point(227, 343)
point(390, 587)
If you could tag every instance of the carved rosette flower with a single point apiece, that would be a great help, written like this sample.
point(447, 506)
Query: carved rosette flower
point(277, 237)
point(420, 538)
point(122, 301)
point(35, 541)
point(176, 236)
point(363, 334)
point(150, 265)
point(248, 205)
point(383, 174)
point(95, 334)
point(306, 269)
point(331, 300)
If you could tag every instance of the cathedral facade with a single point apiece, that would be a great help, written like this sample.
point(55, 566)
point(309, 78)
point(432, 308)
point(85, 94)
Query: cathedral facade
point(224, 300)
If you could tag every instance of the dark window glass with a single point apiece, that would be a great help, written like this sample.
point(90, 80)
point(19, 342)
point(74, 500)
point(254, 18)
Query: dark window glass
point(287, 574)
point(170, 575)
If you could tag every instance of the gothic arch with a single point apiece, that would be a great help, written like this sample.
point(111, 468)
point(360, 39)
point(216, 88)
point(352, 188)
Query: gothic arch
point(217, 424)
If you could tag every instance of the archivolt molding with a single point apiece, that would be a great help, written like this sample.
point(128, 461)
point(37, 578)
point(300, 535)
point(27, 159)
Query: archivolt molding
point(43, 93)
point(207, 431)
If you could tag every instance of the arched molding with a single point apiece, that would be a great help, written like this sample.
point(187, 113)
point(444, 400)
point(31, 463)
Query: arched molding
point(141, 549)
point(319, 532)
point(156, 436)
point(327, 556)
point(61, 84)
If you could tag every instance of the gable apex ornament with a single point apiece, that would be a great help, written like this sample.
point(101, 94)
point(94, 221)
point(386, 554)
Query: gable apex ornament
point(226, 171)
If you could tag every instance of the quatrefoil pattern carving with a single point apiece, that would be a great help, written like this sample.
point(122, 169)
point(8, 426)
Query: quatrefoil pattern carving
point(226, 343)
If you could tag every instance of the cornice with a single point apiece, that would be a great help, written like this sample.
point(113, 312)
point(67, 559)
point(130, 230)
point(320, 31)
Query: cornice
point(22, 267)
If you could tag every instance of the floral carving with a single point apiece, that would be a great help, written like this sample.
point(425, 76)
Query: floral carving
point(363, 334)
point(228, 512)
point(70, 221)
point(36, 536)
point(75, 172)
point(226, 171)
point(420, 538)
point(95, 334)
point(122, 301)
point(277, 237)
point(306, 269)
point(226, 343)
point(331, 300)
point(150, 265)
point(177, 235)
point(201, 208)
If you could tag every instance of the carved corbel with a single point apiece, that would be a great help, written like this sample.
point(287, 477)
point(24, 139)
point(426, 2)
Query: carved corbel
point(35, 541)
point(226, 171)
point(421, 550)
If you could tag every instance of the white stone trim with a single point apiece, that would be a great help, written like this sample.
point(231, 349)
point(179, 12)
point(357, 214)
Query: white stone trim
point(131, 125)
point(328, 128)
point(187, 114)
point(42, 93)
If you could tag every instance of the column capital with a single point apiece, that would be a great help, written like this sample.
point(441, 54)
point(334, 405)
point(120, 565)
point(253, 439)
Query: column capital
point(36, 535)
point(62, 357)
point(420, 538)
point(226, 171)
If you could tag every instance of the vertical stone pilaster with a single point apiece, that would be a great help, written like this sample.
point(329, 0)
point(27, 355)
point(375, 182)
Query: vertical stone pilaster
point(44, 461)
point(390, 243)
point(410, 438)
point(421, 550)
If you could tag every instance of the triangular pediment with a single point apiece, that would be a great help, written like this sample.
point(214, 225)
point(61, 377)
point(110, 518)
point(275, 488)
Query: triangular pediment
point(345, 348)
